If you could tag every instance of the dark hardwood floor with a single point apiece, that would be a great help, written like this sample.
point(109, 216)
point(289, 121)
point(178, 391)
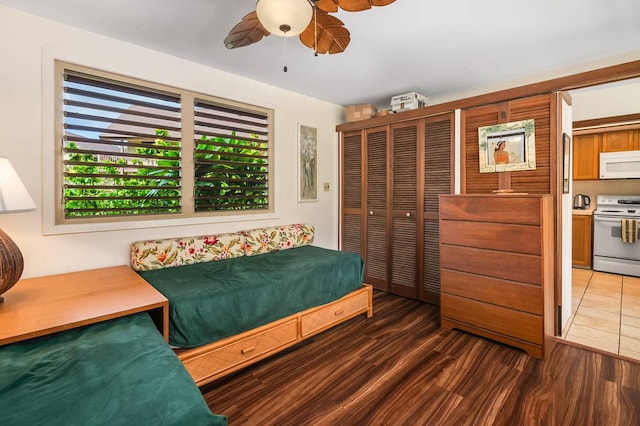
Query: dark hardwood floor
point(400, 368)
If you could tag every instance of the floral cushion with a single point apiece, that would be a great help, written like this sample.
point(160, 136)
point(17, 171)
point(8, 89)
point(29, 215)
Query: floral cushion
point(166, 253)
point(265, 240)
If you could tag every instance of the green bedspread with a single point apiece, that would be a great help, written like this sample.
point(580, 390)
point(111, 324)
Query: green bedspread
point(212, 300)
point(119, 372)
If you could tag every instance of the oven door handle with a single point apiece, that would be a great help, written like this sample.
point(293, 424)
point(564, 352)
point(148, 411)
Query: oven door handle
point(618, 220)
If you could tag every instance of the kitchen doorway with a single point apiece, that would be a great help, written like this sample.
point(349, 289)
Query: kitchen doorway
point(605, 306)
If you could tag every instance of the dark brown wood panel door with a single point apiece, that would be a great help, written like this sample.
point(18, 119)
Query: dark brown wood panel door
point(438, 179)
point(376, 259)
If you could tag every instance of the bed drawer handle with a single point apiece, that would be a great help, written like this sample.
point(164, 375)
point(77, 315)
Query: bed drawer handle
point(247, 350)
point(339, 312)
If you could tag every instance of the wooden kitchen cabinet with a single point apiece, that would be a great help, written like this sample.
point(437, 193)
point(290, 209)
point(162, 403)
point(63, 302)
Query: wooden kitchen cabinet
point(586, 156)
point(587, 149)
point(581, 241)
point(625, 140)
point(497, 268)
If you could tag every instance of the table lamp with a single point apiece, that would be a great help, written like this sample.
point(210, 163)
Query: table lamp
point(13, 198)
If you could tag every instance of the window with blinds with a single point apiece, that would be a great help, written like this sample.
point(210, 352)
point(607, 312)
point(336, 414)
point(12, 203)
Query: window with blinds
point(121, 149)
point(134, 149)
point(231, 156)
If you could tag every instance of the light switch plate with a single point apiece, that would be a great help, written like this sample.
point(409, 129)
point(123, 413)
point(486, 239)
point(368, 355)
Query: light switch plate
point(326, 186)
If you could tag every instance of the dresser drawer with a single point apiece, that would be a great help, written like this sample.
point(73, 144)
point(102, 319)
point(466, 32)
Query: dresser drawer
point(491, 263)
point(494, 236)
point(325, 316)
point(501, 320)
point(510, 294)
point(248, 348)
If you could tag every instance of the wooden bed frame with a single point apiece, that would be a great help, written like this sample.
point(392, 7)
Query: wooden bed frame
point(218, 359)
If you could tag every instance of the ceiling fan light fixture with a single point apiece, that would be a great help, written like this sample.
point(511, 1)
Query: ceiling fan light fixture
point(285, 18)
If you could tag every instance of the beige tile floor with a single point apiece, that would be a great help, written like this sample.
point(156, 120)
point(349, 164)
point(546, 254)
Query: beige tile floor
point(605, 312)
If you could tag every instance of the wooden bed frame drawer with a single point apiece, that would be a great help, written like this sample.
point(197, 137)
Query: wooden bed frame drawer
point(212, 362)
point(324, 317)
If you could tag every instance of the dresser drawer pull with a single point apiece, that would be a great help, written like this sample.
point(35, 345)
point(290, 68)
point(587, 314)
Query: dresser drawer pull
point(247, 350)
point(339, 312)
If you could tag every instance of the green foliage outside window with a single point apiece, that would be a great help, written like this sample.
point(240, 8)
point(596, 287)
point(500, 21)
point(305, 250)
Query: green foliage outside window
point(229, 175)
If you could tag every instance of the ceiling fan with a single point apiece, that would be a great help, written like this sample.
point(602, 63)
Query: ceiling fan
point(320, 31)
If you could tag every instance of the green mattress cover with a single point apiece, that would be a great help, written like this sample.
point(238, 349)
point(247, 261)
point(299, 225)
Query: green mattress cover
point(212, 300)
point(118, 372)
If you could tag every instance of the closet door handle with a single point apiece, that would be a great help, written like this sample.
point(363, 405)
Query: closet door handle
point(408, 214)
point(370, 212)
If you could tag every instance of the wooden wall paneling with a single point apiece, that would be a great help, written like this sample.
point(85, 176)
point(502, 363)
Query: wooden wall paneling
point(533, 181)
point(473, 181)
point(536, 181)
point(376, 230)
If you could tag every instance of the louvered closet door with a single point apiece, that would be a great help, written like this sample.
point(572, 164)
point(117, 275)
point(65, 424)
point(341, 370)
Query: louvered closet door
point(376, 213)
point(352, 226)
point(404, 208)
point(438, 179)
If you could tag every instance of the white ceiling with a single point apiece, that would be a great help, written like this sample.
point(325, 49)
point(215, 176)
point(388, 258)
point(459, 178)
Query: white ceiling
point(431, 47)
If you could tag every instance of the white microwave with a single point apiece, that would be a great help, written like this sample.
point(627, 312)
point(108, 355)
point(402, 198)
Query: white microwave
point(620, 165)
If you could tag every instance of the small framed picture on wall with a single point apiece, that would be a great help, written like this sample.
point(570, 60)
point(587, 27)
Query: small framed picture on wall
point(566, 162)
point(307, 163)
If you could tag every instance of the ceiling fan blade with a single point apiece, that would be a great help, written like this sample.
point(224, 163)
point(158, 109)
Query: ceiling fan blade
point(331, 6)
point(246, 32)
point(332, 36)
point(381, 2)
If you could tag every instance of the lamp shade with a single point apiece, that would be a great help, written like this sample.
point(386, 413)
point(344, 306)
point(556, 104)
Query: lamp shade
point(13, 195)
point(284, 18)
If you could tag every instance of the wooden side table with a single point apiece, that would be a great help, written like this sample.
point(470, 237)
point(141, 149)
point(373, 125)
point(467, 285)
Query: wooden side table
point(39, 306)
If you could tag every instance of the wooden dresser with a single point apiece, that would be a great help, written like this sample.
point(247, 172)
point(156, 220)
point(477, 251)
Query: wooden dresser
point(496, 258)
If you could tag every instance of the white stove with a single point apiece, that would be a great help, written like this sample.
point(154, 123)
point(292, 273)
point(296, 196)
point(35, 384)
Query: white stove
point(610, 253)
point(618, 205)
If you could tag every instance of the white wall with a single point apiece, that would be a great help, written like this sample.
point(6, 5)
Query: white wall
point(606, 100)
point(28, 44)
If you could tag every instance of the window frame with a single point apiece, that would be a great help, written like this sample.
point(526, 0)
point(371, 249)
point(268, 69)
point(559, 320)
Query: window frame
point(188, 214)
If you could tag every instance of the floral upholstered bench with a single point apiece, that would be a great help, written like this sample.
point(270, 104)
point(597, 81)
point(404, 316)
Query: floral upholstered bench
point(236, 298)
